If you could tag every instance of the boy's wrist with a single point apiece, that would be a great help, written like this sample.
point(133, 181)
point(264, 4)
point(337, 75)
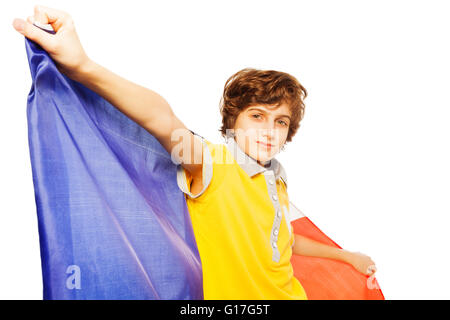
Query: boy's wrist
point(345, 256)
point(84, 71)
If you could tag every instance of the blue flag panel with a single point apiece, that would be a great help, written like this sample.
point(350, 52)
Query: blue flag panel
point(112, 222)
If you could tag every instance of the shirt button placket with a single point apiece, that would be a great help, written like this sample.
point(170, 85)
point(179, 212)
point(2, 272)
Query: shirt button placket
point(271, 187)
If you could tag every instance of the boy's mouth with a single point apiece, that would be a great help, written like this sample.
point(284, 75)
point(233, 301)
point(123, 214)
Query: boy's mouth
point(265, 144)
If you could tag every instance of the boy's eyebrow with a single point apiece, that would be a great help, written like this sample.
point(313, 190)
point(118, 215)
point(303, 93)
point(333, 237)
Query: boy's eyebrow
point(264, 111)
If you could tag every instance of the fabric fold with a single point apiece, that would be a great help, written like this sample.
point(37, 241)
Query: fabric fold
point(112, 223)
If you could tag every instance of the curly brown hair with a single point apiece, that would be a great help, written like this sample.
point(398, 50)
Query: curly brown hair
point(249, 87)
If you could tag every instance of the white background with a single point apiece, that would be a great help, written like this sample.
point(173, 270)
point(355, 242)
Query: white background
point(370, 162)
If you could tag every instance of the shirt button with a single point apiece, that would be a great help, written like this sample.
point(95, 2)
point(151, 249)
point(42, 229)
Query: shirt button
point(275, 232)
point(278, 213)
point(274, 197)
point(271, 181)
point(274, 244)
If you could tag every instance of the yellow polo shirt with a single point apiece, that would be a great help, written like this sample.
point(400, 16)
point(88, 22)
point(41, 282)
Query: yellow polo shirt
point(241, 226)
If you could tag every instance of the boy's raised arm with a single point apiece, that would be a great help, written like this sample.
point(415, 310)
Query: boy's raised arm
point(144, 106)
point(148, 109)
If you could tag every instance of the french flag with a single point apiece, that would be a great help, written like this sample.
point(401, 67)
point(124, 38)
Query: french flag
point(112, 222)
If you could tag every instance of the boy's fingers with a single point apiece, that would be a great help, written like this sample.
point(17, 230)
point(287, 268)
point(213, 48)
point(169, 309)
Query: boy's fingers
point(40, 16)
point(371, 269)
point(39, 36)
point(51, 16)
point(31, 19)
point(19, 25)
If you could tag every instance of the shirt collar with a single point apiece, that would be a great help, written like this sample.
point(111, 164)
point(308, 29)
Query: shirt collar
point(251, 166)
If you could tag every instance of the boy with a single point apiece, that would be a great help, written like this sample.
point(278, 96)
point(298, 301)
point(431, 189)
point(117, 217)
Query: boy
point(236, 194)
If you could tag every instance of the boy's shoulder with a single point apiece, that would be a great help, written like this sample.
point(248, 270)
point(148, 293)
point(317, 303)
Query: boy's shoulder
point(218, 151)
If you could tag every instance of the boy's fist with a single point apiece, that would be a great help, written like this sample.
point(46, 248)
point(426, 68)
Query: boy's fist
point(64, 46)
point(362, 263)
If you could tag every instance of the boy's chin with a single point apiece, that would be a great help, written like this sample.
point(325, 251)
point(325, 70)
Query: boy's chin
point(262, 157)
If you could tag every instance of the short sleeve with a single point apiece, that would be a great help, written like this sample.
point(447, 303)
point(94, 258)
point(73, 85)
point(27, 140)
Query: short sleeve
point(184, 178)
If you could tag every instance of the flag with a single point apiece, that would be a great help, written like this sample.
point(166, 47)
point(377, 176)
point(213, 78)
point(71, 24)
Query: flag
point(328, 279)
point(112, 221)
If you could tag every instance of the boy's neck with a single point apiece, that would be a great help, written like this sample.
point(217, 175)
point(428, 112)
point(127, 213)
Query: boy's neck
point(265, 164)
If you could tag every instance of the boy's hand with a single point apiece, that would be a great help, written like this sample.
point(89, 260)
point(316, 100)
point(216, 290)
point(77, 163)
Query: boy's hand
point(362, 263)
point(64, 46)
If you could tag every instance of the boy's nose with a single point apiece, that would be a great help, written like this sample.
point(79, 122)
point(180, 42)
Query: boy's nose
point(268, 133)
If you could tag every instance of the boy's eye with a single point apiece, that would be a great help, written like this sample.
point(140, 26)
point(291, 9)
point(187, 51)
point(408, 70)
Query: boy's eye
point(257, 116)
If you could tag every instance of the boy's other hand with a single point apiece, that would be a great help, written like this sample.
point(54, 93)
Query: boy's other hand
point(362, 263)
point(64, 46)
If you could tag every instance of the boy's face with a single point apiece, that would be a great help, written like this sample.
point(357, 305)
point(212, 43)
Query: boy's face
point(261, 130)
